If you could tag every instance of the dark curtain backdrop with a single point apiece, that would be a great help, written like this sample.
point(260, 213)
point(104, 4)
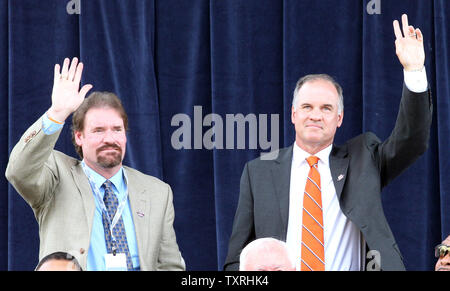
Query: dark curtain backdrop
point(163, 57)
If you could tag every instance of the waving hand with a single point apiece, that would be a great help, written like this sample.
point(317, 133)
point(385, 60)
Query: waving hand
point(66, 96)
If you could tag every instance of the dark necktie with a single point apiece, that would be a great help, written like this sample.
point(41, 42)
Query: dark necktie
point(120, 245)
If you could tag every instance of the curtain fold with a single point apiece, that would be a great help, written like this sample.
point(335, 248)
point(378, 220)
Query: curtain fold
point(208, 85)
point(117, 48)
point(184, 81)
point(4, 51)
point(442, 85)
point(247, 78)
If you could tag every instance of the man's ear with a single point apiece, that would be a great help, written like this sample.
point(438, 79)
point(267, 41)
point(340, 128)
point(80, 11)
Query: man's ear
point(293, 115)
point(340, 118)
point(78, 138)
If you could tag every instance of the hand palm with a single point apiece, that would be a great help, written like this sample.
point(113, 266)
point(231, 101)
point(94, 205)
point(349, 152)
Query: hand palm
point(66, 96)
point(409, 49)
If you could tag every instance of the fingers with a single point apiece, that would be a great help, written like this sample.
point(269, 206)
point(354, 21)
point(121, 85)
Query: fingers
point(56, 73)
point(78, 73)
point(65, 69)
point(405, 25)
point(397, 31)
point(406, 30)
point(414, 33)
point(72, 69)
point(419, 34)
point(71, 73)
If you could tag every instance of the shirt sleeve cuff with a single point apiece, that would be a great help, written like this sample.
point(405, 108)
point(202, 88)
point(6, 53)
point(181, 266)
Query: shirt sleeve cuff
point(416, 81)
point(50, 127)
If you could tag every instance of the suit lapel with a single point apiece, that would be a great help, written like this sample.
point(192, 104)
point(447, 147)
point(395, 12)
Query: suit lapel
point(85, 190)
point(338, 166)
point(281, 175)
point(140, 208)
point(138, 201)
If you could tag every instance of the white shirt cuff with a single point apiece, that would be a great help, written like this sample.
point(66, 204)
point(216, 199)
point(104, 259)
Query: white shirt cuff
point(416, 81)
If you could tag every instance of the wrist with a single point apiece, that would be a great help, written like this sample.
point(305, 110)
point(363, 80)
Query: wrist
point(57, 116)
point(414, 68)
point(416, 81)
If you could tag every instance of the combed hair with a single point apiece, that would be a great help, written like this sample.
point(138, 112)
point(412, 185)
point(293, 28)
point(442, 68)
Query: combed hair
point(314, 77)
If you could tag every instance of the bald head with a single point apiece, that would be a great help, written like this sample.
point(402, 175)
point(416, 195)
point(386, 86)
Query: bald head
point(59, 261)
point(266, 254)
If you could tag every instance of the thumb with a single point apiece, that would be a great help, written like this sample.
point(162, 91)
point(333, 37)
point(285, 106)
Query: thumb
point(84, 90)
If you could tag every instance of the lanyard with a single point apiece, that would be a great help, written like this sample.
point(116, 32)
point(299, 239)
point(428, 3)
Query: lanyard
point(97, 194)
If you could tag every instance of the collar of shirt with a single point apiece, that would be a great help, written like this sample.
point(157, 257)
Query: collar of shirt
point(299, 156)
point(118, 182)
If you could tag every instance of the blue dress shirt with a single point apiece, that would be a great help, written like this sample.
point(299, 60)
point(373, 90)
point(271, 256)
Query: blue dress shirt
point(97, 249)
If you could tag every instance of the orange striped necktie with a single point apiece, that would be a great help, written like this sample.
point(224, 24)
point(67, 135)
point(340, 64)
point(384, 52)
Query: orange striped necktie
point(313, 251)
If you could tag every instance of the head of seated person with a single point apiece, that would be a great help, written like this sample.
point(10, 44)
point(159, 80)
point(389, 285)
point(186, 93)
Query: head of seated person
point(266, 254)
point(59, 261)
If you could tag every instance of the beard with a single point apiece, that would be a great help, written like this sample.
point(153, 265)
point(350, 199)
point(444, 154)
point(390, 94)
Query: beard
point(109, 160)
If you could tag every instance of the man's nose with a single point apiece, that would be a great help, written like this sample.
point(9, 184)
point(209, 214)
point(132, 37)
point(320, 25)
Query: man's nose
point(315, 114)
point(108, 136)
point(446, 259)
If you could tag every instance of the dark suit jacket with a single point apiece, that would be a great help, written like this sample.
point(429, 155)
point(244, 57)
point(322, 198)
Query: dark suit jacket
point(360, 169)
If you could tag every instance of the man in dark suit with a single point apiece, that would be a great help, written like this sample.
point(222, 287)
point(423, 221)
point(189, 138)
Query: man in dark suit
point(346, 220)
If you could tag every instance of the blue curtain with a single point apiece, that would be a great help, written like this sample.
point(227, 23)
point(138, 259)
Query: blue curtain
point(166, 57)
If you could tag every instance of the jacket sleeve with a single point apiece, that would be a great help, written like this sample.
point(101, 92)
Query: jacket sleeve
point(31, 169)
point(170, 258)
point(243, 227)
point(409, 138)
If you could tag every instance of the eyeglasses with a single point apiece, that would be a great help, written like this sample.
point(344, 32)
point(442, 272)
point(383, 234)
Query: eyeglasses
point(441, 250)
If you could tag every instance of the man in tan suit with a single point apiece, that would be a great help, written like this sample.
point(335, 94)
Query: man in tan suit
point(68, 195)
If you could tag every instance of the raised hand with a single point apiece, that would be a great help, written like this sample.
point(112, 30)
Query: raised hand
point(409, 48)
point(66, 97)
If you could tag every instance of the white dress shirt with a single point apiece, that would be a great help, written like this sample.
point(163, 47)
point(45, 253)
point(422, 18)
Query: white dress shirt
point(342, 237)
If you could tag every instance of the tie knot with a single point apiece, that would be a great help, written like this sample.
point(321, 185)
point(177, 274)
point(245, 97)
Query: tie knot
point(107, 184)
point(109, 192)
point(312, 160)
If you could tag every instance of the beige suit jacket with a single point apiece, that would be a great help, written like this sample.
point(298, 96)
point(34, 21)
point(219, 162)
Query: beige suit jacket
point(58, 191)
